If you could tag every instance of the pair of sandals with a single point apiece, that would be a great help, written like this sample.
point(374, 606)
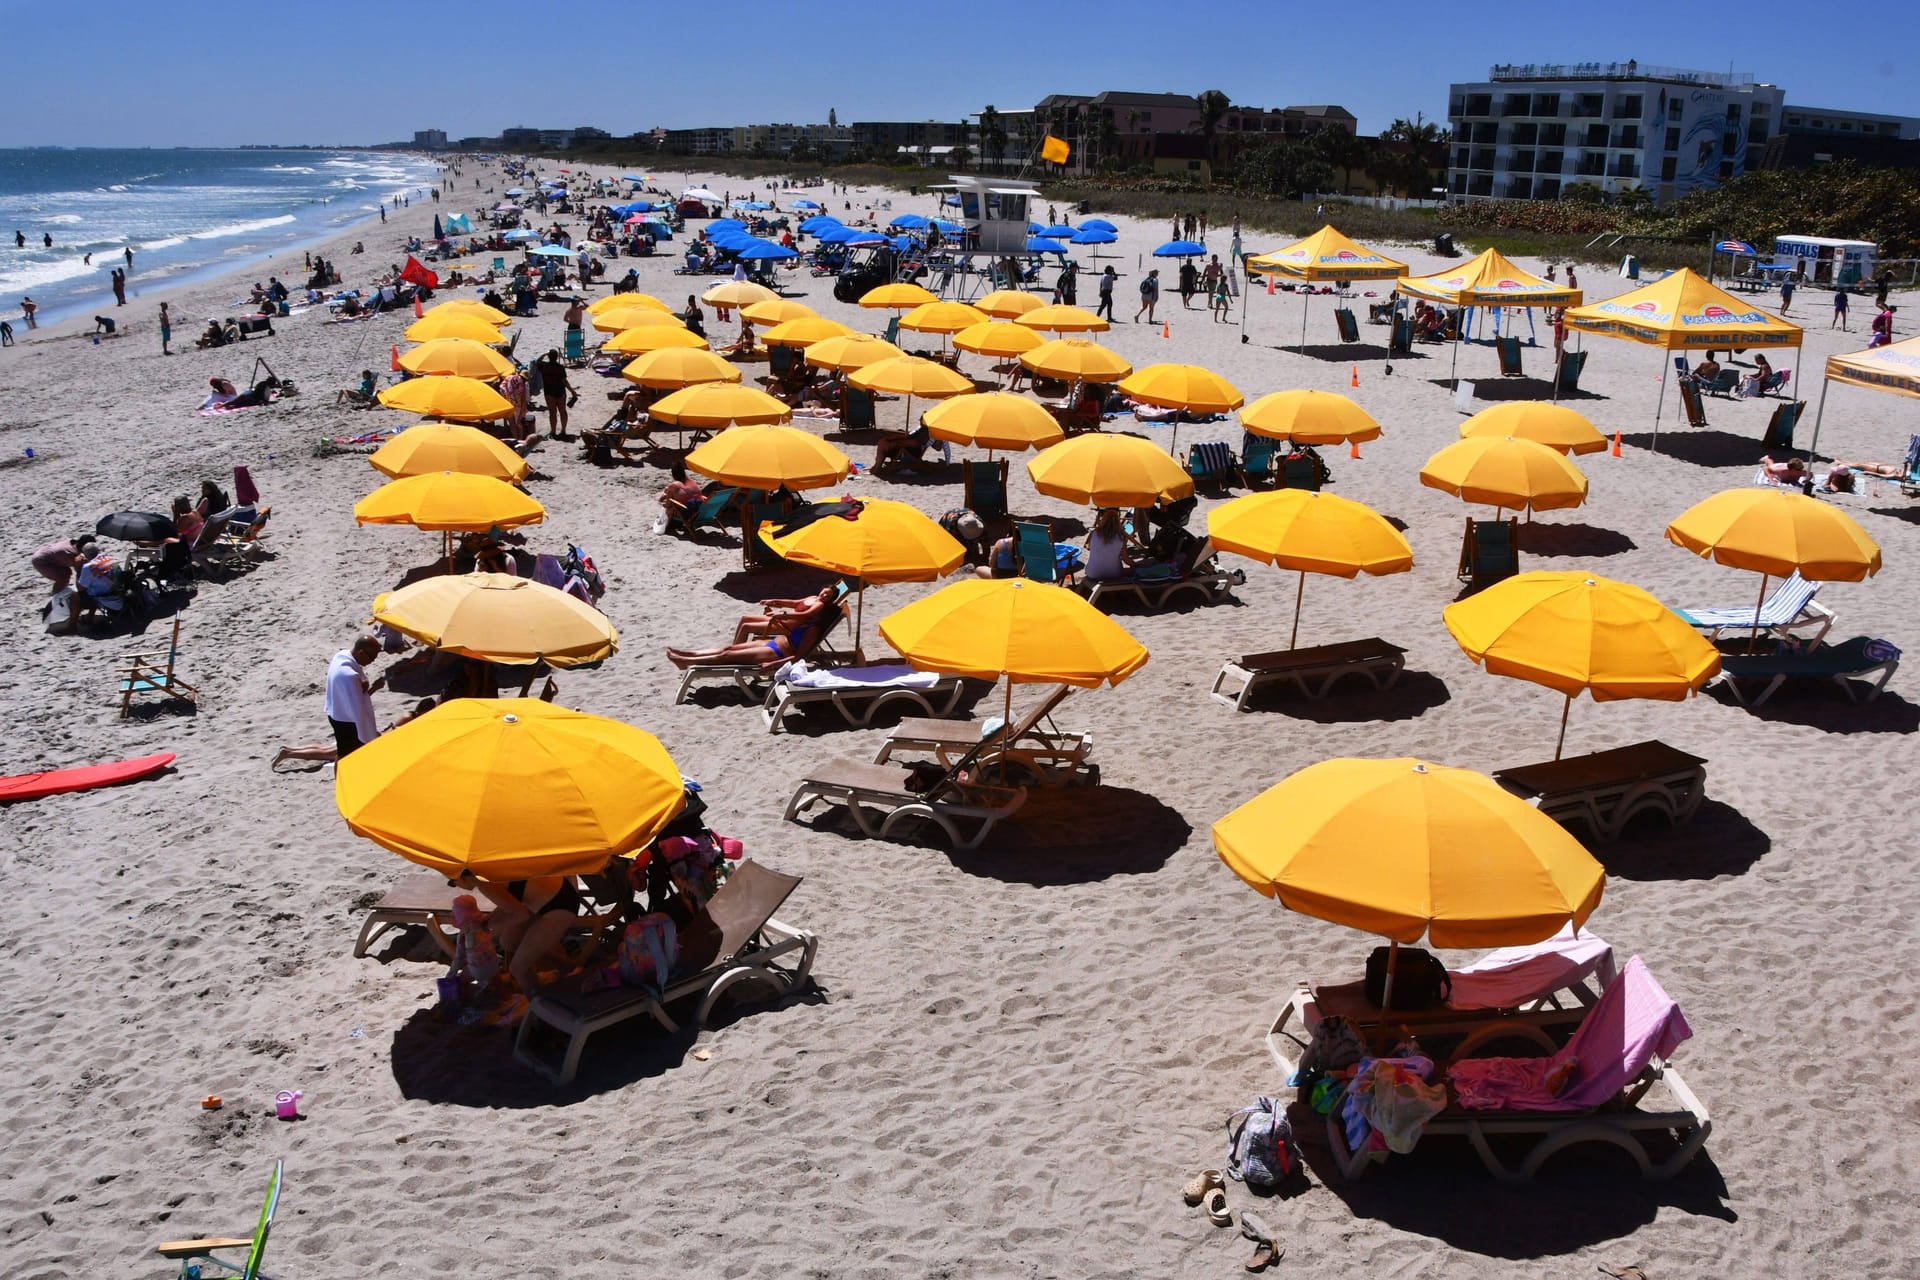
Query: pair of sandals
point(1207, 1190)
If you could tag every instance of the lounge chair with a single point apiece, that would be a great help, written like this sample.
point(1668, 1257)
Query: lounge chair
point(715, 511)
point(1349, 327)
point(1790, 613)
point(753, 678)
point(856, 408)
point(1852, 664)
point(1620, 1049)
point(734, 939)
point(1509, 349)
point(1488, 553)
point(195, 1256)
point(1157, 586)
point(985, 491)
point(1608, 789)
point(1035, 554)
point(576, 348)
point(143, 674)
point(1256, 460)
point(859, 694)
point(232, 548)
point(1212, 463)
point(1047, 755)
point(1401, 344)
point(1571, 365)
point(1513, 993)
point(753, 552)
point(1690, 401)
point(1910, 479)
point(1780, 426)
point(1300, 471)
point(419, 901)
point(883, 797)
point(1315, 670)
point(1724, 384)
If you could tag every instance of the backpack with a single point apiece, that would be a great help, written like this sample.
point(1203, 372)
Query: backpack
point(1419, 980)
point(1260, 1147)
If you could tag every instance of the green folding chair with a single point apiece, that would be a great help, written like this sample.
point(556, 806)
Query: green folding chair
point(195, 1255)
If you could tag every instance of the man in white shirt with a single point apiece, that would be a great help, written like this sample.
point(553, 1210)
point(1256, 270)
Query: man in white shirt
point(350, 697)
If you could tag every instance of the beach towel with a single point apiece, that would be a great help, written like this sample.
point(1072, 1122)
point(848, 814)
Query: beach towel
point(802, 675)
point(1391, 1097)
point(1512, 976)
point(245, 492)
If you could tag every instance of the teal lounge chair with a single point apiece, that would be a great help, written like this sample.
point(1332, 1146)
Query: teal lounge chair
point(1852, 664)
point(1348, 326)
point(1489, 555)
point(1212, 463)
point(1033, 552)
point(986, 488)
point(1571, 363)
point(1256, 460)
point(195, 1255)
point(1510, 358)
point(712, 513)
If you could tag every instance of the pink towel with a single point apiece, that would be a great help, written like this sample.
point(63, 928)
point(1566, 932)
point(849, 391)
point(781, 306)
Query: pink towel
point(245, 492)
point(1635, 1021)
point(1512, 976)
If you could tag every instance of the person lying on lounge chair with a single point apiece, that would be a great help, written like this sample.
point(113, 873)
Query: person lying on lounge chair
point(786, 617)
point(769, 652)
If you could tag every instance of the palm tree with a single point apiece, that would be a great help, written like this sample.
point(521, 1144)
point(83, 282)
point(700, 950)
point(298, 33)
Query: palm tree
point(993, 135)
point(1341, 150)
point(1108, 136)
point(1213, 105)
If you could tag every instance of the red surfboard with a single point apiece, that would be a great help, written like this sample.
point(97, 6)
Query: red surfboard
point(31, 786)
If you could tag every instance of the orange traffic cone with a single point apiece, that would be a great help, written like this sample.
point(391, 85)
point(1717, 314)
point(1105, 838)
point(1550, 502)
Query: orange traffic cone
point(417, 312)
point(1166, 329)
point(1353, 448)
point(393, 361)
point(1355, 380)
point(1269, 286)
point(1616, 444)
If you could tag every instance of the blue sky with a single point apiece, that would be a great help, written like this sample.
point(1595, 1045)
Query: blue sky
point(206, 73)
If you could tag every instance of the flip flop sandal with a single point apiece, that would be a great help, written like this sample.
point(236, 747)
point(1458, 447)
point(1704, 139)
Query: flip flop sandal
point(1217, 1212)
point(1265, 1254)
point(1197, 1186)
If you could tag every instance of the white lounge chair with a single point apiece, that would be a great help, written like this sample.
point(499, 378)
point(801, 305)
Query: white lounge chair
point(1047, 755)
point(859, 694)
point(754, 678)
point(1206, 582)
point(882, 798)
point(1790, 613)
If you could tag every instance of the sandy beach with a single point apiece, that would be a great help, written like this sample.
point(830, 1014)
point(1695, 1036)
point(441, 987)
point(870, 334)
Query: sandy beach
point(1011, 1059)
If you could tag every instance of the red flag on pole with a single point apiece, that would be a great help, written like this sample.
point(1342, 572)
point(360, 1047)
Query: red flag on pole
point(414, 273)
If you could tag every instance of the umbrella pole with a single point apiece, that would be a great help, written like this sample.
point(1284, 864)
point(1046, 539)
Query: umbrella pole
point(1454, 373)
point(1660, 407)
point(1559, 746)
point(1006, 723)
point(1299, 594)
point(1753, 639)
point(1819, 412)
point(1306, 302)
point(1386, 994)
point(859, 611)
point(1243, 301)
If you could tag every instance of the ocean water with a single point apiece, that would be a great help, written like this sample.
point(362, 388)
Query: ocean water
point(185, 214)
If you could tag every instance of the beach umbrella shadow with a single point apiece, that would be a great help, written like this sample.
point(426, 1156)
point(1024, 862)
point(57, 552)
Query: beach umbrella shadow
point(442, 1062)
point(1576, 539)
point(1080, 835)
point(1354, 700)
point(1718, 841)
point(1828, 708)
point(1702, 446)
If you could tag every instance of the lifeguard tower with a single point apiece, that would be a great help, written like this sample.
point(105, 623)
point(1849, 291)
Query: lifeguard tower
point(994, 212)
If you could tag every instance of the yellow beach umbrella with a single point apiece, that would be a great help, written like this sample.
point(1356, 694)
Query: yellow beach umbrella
point(804, 332)
point(900, 296)
point(885, 541)
point(855, 351)
point(622, 319)
point(911, 376)
point(452, 324)
point(719, 404)
point(680, 368)
point(738, 293)
point(509, 789)
point(1076, 360)
point(1579, 632)
point(449, 501)
point(997, 338)
point(618, 301)
point(1309, 532)
point(1506, 474)
point(1183, 386)
point(1403, 848)
point(770, 457)
point(943, 317)
point(657, 337)
point(996, 420)
point(1059, 318)
point(497, 617)
point(1109, 471)
point(472, 307)
point(1005, 304)
point(777, 311)
point(1776, 533)
point(462, 357)
point(1560, 429)
point(1310, 417)
point(440, 446)
point(460, 399)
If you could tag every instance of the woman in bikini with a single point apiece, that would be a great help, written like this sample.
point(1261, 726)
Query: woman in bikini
point(789, 629)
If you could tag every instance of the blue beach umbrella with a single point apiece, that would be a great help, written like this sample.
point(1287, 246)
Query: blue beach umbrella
point(754, 206)
point(516, 191)
point(521, 233)
point(1736, 246)
point(551, 251)
point(946, 228)
point(721, 224)
point(1097, 224)
point(909, 222)
point(1039, 244)
point(816, 225)
point(1093, 235)
point(1058, 231)
point(1180, 249)
point(765, 251)
point(807, 204)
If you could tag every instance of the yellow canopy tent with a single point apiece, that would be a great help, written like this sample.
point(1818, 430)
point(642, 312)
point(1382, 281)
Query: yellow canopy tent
point(1490, 280)
point(1894, 368)
point(1682, 312)
point(1326, 255)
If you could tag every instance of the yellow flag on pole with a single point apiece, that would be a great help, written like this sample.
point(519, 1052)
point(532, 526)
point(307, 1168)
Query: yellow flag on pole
point(1054, 150)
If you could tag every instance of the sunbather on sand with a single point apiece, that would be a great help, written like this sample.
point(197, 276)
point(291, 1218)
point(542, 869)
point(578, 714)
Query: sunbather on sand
point(1785, 471)
point(328, 752)
point(1844, 476)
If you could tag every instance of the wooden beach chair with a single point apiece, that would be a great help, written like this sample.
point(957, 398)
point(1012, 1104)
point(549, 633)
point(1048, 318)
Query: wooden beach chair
point(858, 694)
point(1690, 401)
point(1046, 755)
point(1622, 1049)
point(1313, 670)
point(734, 939)
point(883, 798)
point(1608, 789)
point(143, 674)
point(1212, 463)
point(195, 1255)
point(1488, 553)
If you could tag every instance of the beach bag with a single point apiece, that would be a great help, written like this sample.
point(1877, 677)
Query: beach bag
point(1419, 980)
point(648, 949)
point(1334, 1046)
point(1260, 1147)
